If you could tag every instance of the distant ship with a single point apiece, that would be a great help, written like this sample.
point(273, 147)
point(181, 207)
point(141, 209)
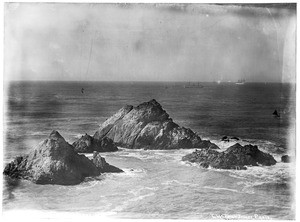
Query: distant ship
point(276, 114)
point(241, 82)
point(198, 85)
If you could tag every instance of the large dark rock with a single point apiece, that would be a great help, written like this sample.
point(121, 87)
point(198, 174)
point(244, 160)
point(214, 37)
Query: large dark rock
point(235, 157)
point(148, 126)
point(53, 161)
point(87, 144)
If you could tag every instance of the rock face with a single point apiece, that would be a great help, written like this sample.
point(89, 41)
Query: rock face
point(235, 157)
point(87, 144)
point(148, 126)
point(286, 159)
point(53, 161)
point(103, 166)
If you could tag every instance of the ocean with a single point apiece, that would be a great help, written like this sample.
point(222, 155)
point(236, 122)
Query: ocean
point(157, 184)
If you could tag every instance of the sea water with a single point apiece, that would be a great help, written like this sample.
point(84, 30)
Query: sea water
point(157, 184)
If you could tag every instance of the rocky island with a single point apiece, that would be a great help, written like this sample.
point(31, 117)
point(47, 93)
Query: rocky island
point(235, 157)
point(148, 126)
point(54, 161)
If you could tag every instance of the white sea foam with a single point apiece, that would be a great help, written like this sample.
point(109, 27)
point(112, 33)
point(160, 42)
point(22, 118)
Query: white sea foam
point(156, 155)
point(78, 136)
point(137, 191)
point(187, 163)
point(221, 188)
point(281, 173)
point(173, 182)
point(276, 173)
point(128, 172)
point(137, 195)
point(142, 197)
point(88, 184)
point(136, 155)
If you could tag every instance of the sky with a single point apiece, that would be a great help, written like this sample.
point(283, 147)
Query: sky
point(149, 42)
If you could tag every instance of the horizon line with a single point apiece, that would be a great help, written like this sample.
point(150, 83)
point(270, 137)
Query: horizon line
point(142, 81)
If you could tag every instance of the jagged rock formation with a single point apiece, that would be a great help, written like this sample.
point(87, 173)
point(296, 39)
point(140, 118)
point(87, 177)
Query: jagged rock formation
point(103, 166)
point(235, 157)
point(148, 126)
point(53, 161)
point(87, 144)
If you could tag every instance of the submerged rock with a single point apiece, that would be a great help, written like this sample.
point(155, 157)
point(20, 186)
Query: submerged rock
point(235, 157)
point(148, 126)
point(286, 159)
point(87, 144)
point(53, 161)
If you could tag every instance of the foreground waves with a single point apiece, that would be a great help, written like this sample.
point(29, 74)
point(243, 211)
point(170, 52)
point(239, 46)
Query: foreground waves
point(157, 184)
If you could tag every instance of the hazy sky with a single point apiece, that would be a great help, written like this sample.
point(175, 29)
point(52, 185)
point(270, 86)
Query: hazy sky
point(149, 42)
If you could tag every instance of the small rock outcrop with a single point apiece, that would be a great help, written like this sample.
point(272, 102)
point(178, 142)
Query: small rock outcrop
point(87, 144)
point(227, 139)
point(53, 161)
point(103, 166)
point(235, 138)
point(235, 157)
point(286, 159)
point(149, 126)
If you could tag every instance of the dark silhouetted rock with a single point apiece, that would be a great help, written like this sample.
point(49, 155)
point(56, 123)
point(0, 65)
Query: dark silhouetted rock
point(235, 157)
point(87, 144)
point(103, 166)
point(53, 161)
point(148, 126)
point(235, 138)
point(225, 138)
point(286, 159)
